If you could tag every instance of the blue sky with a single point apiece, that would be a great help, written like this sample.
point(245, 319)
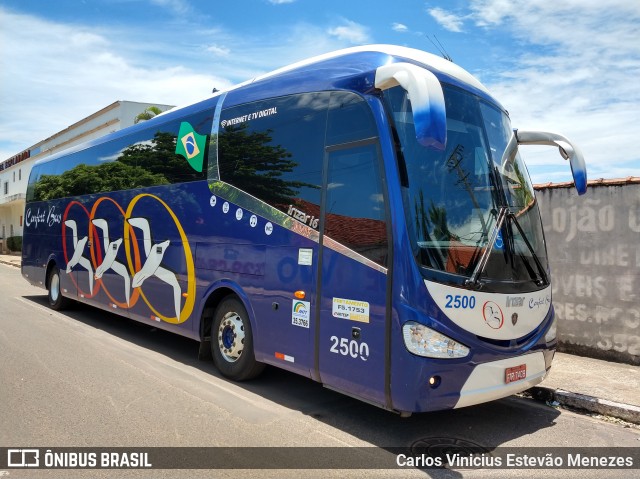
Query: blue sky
point(570, 66)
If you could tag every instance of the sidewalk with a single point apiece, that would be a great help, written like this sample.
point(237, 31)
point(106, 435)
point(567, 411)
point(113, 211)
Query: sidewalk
point(602, 387)
point(11, 260)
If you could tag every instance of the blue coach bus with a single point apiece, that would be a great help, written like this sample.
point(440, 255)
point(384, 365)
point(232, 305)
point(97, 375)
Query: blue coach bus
point(362, 218)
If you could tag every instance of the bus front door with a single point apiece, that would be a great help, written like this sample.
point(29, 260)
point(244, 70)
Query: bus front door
point(350, 343)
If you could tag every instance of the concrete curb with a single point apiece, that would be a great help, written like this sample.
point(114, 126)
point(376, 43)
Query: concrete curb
point(626, 412)
point(9, 263)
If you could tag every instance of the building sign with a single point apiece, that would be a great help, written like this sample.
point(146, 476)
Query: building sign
point(14, 160)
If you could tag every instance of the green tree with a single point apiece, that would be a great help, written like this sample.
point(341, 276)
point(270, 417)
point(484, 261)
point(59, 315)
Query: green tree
point(147, 114)
point(84, 179)
point(158, 157)
point(249, 162)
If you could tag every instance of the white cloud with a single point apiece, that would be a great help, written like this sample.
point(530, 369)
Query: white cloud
point(54, 75)
point(399, 27)
point(281, 2)
point(219, 51)
point(581, 82)
point(351, 32)
point(447, 20)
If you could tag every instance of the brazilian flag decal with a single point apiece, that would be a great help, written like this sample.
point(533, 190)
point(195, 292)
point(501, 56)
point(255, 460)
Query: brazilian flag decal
point(191, 145)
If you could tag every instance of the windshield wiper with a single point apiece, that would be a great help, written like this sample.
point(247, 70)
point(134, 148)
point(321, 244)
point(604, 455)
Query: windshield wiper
point(506, 214)
point(544, 279)
point(474, 281)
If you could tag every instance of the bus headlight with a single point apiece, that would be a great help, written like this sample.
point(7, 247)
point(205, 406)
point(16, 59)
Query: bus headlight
point(426, 342)
point(552, 332)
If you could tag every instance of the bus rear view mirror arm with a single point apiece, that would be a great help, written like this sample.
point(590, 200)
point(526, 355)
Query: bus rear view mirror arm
point(567, 150)
point(426, 97)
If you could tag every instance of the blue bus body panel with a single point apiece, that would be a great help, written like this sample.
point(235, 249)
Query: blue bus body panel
point(185, 243)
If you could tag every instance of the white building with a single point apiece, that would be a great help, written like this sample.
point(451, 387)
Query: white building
point(14, 172)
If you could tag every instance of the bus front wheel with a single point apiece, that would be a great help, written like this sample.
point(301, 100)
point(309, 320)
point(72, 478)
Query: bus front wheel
point(232, 341)
point(56, 300)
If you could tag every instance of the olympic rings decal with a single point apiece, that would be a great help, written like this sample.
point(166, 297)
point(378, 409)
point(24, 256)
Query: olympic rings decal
point(134, 273)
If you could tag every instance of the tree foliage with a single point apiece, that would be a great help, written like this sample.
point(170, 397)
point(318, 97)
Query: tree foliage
point(147, 114)
point(249, 162)
point(138, 166)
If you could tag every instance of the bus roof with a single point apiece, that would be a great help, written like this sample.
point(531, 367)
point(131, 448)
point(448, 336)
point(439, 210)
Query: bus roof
point(351, 68)
point(432, 62)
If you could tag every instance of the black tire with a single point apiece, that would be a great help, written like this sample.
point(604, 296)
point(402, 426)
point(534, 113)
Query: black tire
point(56, 300)
point(232, 341)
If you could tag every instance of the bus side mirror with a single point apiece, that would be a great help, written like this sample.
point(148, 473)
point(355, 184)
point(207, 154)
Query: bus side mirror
point(568, 151)
point(426, 97)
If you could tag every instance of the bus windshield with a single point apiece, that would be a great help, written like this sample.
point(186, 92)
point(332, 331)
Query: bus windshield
point(453, 198)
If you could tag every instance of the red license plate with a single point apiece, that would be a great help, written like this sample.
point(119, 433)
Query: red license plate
point(515, 374)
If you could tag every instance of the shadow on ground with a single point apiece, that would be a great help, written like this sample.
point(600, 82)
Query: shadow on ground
point(477, 428)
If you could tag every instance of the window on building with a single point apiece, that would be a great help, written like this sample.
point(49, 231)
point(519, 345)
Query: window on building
point(20, 174)
point(6, 187)
point(14, 176)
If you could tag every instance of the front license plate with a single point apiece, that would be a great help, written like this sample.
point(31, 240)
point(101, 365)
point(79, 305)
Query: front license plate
point(515, 374)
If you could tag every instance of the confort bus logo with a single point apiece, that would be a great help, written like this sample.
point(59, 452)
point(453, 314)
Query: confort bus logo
point(140, 265)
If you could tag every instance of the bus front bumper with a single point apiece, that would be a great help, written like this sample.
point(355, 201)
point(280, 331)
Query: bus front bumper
point(488, 380)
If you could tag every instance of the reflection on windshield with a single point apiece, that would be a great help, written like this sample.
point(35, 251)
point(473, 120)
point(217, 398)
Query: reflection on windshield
point(452, 198)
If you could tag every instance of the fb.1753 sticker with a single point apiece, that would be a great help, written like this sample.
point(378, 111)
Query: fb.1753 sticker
point(351, 310)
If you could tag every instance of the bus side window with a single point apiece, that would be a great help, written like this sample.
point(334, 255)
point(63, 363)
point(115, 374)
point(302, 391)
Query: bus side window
point(273, 149)
point(350, 119)
point(355, 208)
point(355, 205)
point(33, 179)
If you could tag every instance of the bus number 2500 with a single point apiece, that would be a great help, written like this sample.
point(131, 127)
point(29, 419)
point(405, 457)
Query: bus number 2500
point(351, 348)
point(460, 301)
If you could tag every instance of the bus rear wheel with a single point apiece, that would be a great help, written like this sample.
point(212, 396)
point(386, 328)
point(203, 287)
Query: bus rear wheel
point(232, 341)
point(56, 300)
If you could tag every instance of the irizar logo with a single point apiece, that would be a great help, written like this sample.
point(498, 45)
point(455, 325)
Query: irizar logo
point(191, 145)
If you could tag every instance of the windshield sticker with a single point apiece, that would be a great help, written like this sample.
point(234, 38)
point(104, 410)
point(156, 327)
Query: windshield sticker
point(351, 310)
point(250, 116)
point(301, 313)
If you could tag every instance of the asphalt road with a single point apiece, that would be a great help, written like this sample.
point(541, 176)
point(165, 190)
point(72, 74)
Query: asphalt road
point(84, 377)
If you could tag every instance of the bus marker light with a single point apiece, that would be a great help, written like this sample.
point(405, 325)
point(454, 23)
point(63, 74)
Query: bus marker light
point(284, 357)
point(185, 295)
point(434, 381)
point(300, 294)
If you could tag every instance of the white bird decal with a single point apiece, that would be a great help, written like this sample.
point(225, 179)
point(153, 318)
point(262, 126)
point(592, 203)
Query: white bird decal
point(151, 267)
point(109, 261)
point(78, 249)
